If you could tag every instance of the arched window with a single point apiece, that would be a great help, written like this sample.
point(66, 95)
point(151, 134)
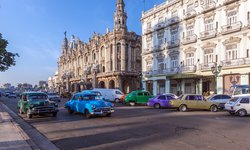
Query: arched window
point(103, 68)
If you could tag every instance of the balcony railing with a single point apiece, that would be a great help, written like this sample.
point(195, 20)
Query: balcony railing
point(148, 30)
point(236, 62)
point(159, 26)
point(173, 20)
point(206, 66)
point(189, 68)
point(229, 1)
point(190, 14)
point(208, 34)
point(208, 6)
point(189, 39)
point(173, 44)
point(159, 47)
point(231, 28)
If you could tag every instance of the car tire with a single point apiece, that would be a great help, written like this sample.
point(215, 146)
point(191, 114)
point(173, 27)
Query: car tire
point(242, 113)
point(117, 100)
point(231, 113)
point(157, 106)
point(20, 111)
point(29, 115)
point(132, 103)
point(213, 108)
point(70, 111)
point(54, 114)
point(87, 114)
point(108, 114)
point(183, 108)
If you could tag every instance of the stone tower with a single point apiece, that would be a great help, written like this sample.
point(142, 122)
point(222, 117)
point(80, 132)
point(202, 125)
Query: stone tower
point(65, 44)
point(120, 17)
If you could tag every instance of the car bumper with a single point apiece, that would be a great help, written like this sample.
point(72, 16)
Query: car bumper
point(42, 111)
point(102, 111)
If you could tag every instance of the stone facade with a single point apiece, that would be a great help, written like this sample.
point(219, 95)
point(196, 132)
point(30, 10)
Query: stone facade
point(112, 60)
point(183, 40)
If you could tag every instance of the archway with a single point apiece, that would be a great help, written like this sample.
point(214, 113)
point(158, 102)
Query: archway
point(101, 84)
point(111, 84)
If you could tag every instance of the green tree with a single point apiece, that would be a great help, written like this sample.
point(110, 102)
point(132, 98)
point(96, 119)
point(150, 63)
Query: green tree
point(7, 59)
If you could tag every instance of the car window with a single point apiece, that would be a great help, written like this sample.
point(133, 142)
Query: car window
point(190, 97)
point(146, 94)
point(89, 97)
point(225, 97)
point(37, 97)
point(75, 97)
point(118, 92)
point(234, 99)
point(80, 98)
point(244, 101)
point(216, 97)
point(162, 97)
point(198, 97)
point(169, 97)
point(140, 94)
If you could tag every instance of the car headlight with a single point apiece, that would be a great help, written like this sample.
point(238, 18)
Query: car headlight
point(93, 106)
point(32, 105)
point(56, 105)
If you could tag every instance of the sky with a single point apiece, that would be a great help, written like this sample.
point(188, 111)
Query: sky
point(35, 30)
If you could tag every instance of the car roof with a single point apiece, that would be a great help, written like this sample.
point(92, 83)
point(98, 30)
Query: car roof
point(33, 93)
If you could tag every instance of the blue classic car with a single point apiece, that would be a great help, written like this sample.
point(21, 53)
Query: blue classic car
point(89, 104)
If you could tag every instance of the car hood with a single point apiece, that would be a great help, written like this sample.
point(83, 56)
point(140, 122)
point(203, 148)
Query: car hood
point(40, 102)
point(100, 103)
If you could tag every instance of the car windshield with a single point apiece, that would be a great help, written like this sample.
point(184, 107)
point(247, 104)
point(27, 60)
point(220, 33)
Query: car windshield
point(51, 94)
point(180, 97)
point(97, 93)
point(89, 97)
point(234, 99)
point(37, 97)
point(241, 90)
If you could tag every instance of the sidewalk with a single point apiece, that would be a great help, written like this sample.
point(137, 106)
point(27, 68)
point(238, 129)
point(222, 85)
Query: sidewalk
point(12, 137)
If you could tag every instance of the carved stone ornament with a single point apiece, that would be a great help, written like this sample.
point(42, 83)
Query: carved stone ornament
point(232, 40)
point(190, 49)
point(209, 45)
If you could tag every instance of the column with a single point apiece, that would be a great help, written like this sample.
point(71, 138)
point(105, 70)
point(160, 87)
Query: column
point(114, 56)
point(129, 58)
point(155, 87)
point(144, 86)
point(123, 56)
point(219, 85)
point(167, 86)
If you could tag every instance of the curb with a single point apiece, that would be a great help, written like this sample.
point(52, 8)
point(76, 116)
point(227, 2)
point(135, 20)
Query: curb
point(36, 140)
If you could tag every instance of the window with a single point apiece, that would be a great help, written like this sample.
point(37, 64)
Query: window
point(190, 30)
point(174, 13)
point(160, 36)
point(174, 61)
point(149, 40)
point(231, 17)
point(225, 97)
point(160, 20)
point(216, 97)
point(190, 7)
point(146, 94)
point(244, 101)
point(208, 56)
point(140, 94)
point(190, 97)
point(161, 64)
point(174, 34)
point(207, 2)
point(190, 59)
point(89, 97)
point(75, 97)
point(209, 24)
point(149, 25)
point(231, 52)
point(198, 97)
point(118, 92)
point(162, 97)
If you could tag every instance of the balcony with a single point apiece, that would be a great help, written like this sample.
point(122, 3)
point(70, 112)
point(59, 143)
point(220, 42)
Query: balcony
point(160, 26)
point(226, 2)
point(206, 66)
point(159, 47)
point(190, 14)
point(173, 44)
point(148, 30)
point(231, 28)
point(189, 69)
point(208, 7)
point(236, 62)
point(173, 20)
point(249, 23)
point(189, 39)
point(208, 34)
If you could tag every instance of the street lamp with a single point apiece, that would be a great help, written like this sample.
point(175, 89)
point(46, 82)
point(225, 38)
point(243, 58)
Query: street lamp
point(216, 71)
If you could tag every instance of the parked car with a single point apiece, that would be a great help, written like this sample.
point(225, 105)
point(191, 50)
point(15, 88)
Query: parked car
point(219, 98)
point(138, 97)
point(54, 97)
point(241, 90)
point(36, 103)
point(113, 95)
point(161, 101)
point(12, 95)
point(238, 105)
point(193, 101)
point(86, 103)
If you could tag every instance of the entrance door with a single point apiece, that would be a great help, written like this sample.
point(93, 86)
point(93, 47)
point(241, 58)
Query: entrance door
point(205, 87)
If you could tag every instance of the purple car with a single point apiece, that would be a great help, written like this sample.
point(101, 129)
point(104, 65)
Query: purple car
point(161, 101)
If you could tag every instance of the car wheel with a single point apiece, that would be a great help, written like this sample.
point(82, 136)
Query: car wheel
point(54, 114)
point(70, 111)
point(117, 100)
point(231, 113)
point(213, 108)
point(157, 106)
point(20, 111)
point(242, 113)
point(132, 103)
point(28, 114)
point(87, 114)
point(108, 115)
point(183, 108)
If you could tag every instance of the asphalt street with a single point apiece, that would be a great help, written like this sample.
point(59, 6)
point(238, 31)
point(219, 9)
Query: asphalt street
point(144, 128)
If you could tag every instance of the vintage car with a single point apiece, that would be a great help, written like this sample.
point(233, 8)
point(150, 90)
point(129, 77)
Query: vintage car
point(161, 101)
point(138, 97)
point(219, 98)
point(54, 97)
point(88, 104)
point(36, 103)
point(193, 101)
point(239, 105)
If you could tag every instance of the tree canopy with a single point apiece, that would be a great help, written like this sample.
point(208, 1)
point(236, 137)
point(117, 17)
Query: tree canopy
point(7, 59)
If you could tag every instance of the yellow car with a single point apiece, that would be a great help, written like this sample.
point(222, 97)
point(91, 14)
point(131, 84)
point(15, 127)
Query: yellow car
point(193, 101)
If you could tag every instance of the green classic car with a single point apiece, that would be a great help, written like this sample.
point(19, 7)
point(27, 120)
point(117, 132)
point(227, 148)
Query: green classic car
point(138, 97)
point(36, 103)
point(192, 101)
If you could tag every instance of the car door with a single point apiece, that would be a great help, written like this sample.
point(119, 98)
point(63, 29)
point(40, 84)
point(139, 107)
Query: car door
point(73, 103)
point(200, 102)
point(244, 104)
point(140, 97)
point(81, 103)
point(190, 101)
point(224, 99)
point(162, 100)
point(147, 96)
point(216, 98)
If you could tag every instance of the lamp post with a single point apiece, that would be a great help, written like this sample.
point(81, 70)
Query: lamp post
point(216, 71)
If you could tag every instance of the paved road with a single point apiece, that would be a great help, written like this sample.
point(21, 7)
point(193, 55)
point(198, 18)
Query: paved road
point(144, 128)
